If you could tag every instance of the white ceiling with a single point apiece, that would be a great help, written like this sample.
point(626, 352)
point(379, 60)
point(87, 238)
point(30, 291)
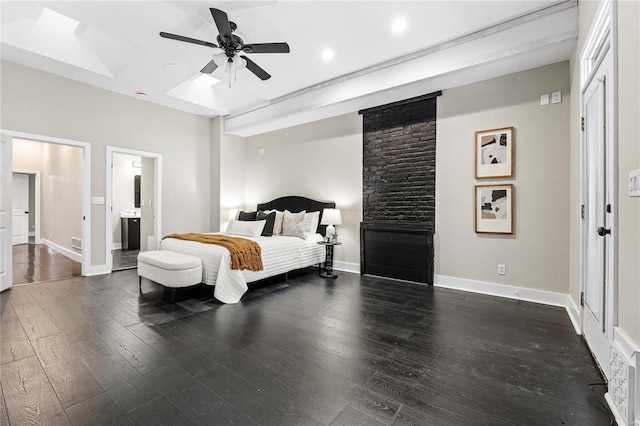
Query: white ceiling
point(115, 45)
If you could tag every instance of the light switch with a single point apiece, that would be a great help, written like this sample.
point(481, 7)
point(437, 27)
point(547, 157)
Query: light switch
point(544, 99)
point(634, 183)
point(260, 151)
point(556, 97)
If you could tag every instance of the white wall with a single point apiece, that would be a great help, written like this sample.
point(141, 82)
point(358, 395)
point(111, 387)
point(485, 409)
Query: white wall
point(232, 175)
point(123, 191)
point(322, 161)
point(61, 193)
point(629, 159)
point(148, 202)
point(45, 104)
point(536, 255)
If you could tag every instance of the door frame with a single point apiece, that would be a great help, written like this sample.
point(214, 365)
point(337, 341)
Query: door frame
point(37, 198)
point(157, 209)
point(6, 191)
point(601, 41)
point(86, 185)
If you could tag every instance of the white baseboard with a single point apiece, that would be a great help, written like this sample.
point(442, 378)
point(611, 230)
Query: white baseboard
point(347, 267)
point(63, 250)
point(501, 290)
point(574, 315)
point(98, 270)
point(32, 233)
point(116, 246)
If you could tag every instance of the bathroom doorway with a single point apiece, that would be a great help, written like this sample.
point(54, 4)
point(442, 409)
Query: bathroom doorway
point(134, 200)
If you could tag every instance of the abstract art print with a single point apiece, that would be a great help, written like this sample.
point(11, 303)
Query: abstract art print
point(494, 209)
point(494, 153)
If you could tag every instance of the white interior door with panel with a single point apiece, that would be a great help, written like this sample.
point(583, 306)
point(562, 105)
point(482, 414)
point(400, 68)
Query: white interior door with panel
point(20, 209)
point(598, 196)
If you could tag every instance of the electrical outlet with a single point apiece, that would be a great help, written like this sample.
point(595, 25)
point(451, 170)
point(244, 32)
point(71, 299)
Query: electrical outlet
point(502, 269)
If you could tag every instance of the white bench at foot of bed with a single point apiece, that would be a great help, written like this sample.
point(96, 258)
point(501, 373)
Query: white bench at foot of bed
point(170, 269)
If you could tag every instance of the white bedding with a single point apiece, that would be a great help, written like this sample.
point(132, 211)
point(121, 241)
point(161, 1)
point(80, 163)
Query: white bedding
point(280, 254)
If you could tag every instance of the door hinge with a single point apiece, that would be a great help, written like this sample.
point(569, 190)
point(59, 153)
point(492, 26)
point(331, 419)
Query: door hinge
point(582, 123)
point(582, 298)
point(582, 211)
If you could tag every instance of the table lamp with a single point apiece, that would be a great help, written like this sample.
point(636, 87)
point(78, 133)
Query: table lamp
point(331, 217)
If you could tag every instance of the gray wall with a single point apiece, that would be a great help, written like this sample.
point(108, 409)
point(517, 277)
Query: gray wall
point(536, 255)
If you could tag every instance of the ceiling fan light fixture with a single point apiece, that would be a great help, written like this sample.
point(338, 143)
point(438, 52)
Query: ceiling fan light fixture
point(240, 62)
point(220, 59)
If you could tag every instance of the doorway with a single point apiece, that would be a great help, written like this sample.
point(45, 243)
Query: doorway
point(134, 188)
point(62, 151)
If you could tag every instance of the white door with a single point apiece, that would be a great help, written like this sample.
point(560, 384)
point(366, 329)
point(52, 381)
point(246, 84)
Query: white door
point(5, 218)
point(598, 285)
point(20, 209)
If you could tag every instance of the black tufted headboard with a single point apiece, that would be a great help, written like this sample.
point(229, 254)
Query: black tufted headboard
point(296, 204)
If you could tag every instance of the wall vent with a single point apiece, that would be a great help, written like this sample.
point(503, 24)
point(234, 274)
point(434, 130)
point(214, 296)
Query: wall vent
point(76, 243)
point(621, 385)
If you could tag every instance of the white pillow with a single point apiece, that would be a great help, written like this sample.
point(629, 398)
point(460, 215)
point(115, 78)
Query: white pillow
point(292, 224)
point(310, 223)
point(248, 228)
point(277, 225)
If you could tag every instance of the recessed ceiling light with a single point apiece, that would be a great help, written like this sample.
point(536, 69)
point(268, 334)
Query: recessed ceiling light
point(327, 55)
point(399, 25)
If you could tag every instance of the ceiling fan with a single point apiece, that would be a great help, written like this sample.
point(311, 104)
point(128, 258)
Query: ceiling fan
point(231, 46)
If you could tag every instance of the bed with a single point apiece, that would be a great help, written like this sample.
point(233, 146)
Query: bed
point(280, 254)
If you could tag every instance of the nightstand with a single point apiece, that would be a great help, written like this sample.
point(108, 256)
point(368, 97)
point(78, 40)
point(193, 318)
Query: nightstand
point(326, 271)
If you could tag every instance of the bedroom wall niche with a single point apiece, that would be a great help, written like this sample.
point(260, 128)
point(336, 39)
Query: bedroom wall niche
point(398, 183)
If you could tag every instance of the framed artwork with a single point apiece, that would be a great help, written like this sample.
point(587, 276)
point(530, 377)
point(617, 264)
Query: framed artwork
point(494, 209)
point(494, 153)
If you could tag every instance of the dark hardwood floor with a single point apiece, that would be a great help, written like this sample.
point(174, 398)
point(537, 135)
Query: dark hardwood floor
point(38, 263)
point(351, 351)
point(124, 259)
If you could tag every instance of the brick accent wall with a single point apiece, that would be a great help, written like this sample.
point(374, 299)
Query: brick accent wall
point(399, 162)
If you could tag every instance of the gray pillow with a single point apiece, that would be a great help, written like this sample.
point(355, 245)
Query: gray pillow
point(292, 224)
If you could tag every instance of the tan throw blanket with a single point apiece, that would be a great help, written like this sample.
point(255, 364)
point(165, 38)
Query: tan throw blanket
point(245, 254)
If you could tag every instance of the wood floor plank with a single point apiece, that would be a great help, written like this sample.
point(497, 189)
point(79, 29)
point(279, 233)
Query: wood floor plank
point(159, 411)
point(4, 417)
point(35, 321)
point(99, 410)
point(72, 381)
point(14, 343)
point(29, 397)
point(140, 355)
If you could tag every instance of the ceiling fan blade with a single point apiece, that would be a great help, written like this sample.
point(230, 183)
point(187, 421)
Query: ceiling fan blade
point(209, 68)
point(222, 22)
point(254, 68)
point(266, 48)
point(187, 39)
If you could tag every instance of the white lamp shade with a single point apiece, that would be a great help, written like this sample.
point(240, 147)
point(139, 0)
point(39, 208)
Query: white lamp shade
point(331, 217)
